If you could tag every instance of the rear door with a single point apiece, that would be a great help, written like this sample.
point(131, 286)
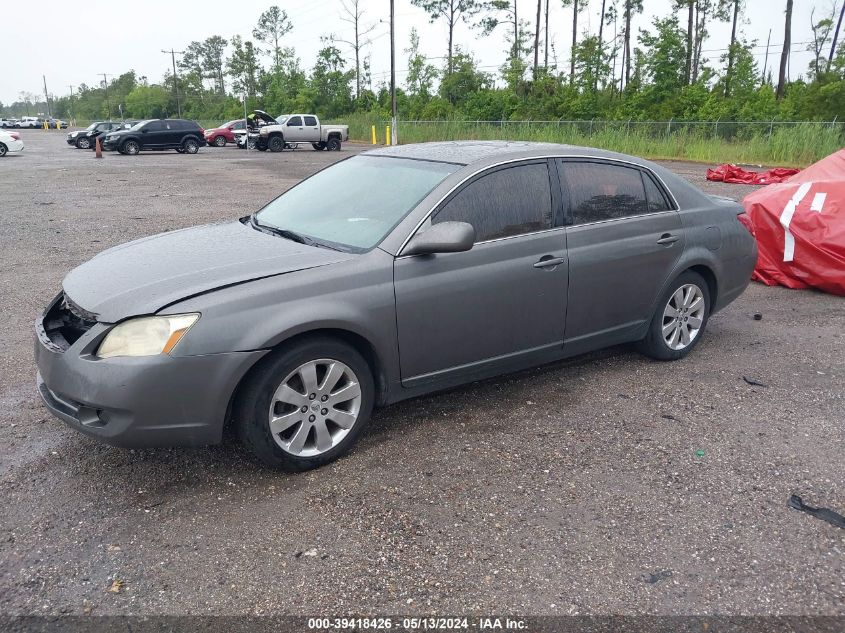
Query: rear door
point(312, 128)
point(623, 241)
point(460, 315)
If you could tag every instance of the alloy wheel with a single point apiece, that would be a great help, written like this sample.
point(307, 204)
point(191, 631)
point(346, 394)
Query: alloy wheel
point(315, 407)
point(683, 316)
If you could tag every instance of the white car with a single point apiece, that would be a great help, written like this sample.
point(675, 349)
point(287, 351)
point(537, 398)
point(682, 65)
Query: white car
point(30, 122)
point(10, 142)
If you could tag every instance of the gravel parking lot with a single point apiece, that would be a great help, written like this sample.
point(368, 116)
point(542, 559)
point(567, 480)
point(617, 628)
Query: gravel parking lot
point(606, 484)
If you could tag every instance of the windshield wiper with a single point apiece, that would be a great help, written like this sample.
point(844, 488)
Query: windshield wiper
point(285, 233)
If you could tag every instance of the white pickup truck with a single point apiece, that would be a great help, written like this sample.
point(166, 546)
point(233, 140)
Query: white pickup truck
point(294, 130)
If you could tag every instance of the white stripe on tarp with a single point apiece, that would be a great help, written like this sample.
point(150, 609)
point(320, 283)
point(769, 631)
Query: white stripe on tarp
point(818, 202)
point(786, 218)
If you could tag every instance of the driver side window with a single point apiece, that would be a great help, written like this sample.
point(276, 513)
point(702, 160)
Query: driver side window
point(295, 121)
point(507, 202)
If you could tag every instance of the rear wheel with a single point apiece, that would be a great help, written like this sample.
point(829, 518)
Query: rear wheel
point(333, 144)
point(190, 146)
point(83, 142)
point(131, 148)
point(679, 321)
point(306, 405)
point(220, 141)
point(276, 144)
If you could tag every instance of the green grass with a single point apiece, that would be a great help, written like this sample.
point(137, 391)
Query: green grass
point(794, 145)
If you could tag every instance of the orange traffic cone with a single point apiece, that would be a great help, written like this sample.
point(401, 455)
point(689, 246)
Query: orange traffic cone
point(98, 150)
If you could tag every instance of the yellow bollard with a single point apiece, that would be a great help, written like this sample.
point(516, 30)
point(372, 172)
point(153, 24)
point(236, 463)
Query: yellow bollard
point(374, 135)
point(387, 135)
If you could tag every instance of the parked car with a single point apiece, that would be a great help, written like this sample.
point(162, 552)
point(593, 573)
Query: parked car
point(299, 129)
point(157, 134)
point(30, 122)
point(219, 136)
point(446, 263)
point(6, 123)
point(87, 138)
point(10, 142)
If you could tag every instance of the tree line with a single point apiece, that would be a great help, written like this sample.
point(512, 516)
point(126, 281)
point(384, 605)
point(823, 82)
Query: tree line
point(660, 71)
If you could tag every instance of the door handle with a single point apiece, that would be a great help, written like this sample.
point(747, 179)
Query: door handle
point(667, 239)
point(547, 261)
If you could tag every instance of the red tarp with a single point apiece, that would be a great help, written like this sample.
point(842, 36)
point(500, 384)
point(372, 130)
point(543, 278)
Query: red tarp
point(800, 228)
point(740, 176)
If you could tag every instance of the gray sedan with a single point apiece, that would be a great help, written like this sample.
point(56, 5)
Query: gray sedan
point(394, 273)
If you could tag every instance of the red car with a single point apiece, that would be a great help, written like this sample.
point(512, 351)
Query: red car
point(219, 136)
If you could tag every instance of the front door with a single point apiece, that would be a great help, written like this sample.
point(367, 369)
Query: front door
point(152, 134)
point(295, 130)
point(460, 314)
point(623, 242)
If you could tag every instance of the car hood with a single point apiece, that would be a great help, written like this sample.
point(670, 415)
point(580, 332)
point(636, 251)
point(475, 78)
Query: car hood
point(144, 276)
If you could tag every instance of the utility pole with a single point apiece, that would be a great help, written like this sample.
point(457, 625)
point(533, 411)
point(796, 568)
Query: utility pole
point(393, 134)
point(46, 96)
point(108, 103)
point(173, 55)
point(766, 61)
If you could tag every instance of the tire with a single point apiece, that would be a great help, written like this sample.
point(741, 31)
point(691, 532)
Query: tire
point(220, 141)
point(319, 146)
point(130, 148)
point(333, 144)
point(276, 144)
point(296, 447)
point(83, 142)
point(672, 336)
point(3, 150)
point(190, 146)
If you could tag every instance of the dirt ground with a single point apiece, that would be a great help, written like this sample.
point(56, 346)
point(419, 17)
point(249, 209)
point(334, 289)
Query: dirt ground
point(605, 484)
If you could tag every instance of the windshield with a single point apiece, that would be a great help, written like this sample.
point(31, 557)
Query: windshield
point(355, 203)
point(91, 127)
point(141, 124)
point(281, 118)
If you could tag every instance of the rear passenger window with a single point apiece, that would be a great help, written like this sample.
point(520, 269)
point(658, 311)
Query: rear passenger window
point(656, 200)
point(599, 191)
point(310, 120)
point(507, 202)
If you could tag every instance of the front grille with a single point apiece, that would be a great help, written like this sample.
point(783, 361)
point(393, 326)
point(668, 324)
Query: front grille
point(65, 322)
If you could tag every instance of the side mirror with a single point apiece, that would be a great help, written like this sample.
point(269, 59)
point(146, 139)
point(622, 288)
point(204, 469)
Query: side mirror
point(445, 237)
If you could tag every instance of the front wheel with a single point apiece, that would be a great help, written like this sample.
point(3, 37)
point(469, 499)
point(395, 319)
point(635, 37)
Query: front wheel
point(276, 144)
point(333, 145)
point(679, 321)
point(305, 406)
point(3, 150)
point(83, 142)
point(131, 148)
point(319, 146)
point(190, 146)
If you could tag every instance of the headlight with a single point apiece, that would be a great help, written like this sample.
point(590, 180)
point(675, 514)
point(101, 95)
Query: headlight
point(146, 336)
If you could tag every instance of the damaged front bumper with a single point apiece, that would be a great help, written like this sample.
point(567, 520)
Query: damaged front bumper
point(133, 402)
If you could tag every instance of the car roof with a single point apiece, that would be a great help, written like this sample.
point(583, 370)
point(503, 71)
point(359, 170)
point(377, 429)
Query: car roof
point(471, 152)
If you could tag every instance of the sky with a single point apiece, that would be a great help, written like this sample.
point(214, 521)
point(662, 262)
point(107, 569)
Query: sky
point(61, 46)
